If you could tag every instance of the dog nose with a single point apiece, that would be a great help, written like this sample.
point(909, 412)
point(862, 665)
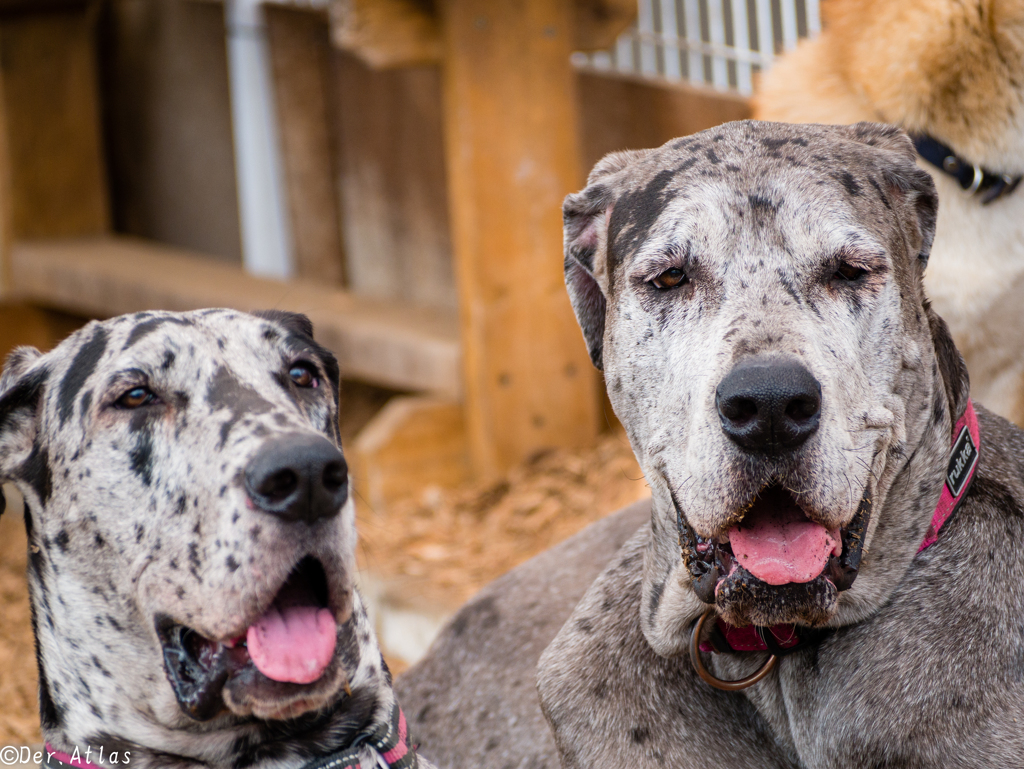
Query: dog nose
point(298, 477)
point(769, 406)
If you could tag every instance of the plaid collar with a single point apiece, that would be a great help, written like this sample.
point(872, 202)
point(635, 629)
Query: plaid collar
point(382, 745)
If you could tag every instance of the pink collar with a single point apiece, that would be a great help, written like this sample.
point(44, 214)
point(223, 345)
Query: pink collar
point(70, 759)
point(963, 461)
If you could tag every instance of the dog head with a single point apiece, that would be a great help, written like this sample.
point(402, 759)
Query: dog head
point(753, 295)
point(191, 532)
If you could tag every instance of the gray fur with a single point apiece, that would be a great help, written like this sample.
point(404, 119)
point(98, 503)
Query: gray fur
point(136, 513)
point(921, 664)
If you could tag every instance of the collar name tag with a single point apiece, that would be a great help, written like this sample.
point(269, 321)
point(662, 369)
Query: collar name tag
point(964, 457)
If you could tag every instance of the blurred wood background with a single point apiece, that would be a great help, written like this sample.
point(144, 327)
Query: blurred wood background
point(426, 147)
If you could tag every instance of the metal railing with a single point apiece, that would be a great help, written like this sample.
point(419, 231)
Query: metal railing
point(717, 43)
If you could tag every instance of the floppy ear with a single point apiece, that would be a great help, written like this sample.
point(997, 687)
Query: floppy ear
point(21, 386)
point(913, 186)
point(951, 364)
point(584, 228)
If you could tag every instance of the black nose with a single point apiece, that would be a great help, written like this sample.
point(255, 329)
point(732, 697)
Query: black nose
point(769, 406)
point(298, 477)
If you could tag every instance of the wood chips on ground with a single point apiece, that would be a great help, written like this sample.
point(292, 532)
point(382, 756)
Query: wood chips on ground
point(444, 545)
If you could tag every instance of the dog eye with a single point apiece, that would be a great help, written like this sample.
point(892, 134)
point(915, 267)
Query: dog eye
point(847, 272)
point(670, 279)
point(135, 398)
point(304, 375)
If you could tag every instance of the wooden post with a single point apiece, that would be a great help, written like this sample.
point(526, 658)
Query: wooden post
point(512, 155)
point(300, 56)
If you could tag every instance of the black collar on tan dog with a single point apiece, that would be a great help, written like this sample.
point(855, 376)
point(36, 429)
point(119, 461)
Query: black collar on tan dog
point(975, 180)
point(780, 640)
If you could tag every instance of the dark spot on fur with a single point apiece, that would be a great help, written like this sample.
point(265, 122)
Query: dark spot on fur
point(36, 472)
point(231, 563)
point(635, 213)
point(141, 457)
point(61, 540)
point(84, 363)
point(656, 590)
point(168, 360)
point(639, 734)
point(227, 393)
point(147, 327)
point(849, 183)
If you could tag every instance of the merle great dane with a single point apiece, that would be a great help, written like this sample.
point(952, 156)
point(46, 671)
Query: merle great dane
point(191, 540)
point(828, 506)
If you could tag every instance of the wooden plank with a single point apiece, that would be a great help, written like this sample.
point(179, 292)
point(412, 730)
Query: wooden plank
point(167, 117)
point(413, 442)
point(392, 182)
point(385, 343)
point(300, 56)
point(512, 155)
point(24, 324)
point(58, 179)
point(629, 113)
point(387, 33)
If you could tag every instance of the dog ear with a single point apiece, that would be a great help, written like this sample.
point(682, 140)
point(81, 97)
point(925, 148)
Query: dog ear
point(903, 177)
point(584, 227)
point(21, 386)
point(951, 364)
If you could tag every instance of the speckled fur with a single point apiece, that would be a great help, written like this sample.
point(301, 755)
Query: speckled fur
point(920, 665)
point(136, 513)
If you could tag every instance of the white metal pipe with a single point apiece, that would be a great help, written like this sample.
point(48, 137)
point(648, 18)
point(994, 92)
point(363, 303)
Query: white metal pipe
point(266, 235)
point(645, 25)
point(813, 17)
point(789, 36)
point(716, 29)
point(741, 40)
point(765, 30)
point(695, 61)
point(670, 37)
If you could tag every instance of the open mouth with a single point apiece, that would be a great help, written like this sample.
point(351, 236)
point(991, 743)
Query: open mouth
point(286, 649)
point(776, 561)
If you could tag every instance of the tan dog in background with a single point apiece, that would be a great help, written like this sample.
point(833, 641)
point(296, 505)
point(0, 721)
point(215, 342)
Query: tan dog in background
point(952, 70)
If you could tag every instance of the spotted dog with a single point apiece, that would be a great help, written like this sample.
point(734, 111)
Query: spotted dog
point(191, 541)
point(824, 491)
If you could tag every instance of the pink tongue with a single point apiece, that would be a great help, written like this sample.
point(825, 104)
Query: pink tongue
point(293, 643)
point(778, 544)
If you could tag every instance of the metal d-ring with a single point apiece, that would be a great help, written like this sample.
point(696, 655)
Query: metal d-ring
point(979, 175)
point(709, 678)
